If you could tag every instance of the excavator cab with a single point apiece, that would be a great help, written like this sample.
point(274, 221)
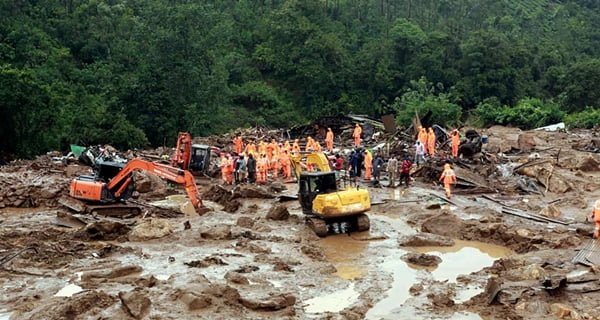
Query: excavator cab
point(313, 184)
point(200, 159)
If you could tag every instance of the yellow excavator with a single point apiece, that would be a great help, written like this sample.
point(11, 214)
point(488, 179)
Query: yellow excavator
point(324, 205)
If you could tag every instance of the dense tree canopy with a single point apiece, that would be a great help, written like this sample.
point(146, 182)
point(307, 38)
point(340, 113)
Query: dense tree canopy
point(134, 73)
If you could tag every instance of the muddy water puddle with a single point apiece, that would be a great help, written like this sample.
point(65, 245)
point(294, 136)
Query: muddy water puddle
point(355, 260)
point(332, 302)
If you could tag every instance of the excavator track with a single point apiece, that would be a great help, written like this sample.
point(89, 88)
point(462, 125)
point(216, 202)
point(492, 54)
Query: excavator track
point(319, 226)
point(115, 210)
point(362, 222)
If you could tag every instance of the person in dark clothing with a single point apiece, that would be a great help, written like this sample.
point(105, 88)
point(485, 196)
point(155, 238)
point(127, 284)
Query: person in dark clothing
point(339, 162)
point(251, 166)
point(354, 165)
point(377, 166)
point(405, 171)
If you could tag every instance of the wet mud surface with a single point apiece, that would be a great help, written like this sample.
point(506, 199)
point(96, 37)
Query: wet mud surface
point(465, 260)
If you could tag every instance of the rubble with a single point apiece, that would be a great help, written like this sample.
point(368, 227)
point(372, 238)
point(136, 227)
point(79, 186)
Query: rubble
point(136, 303)
point(272, 302)
point(278, 212)
point(422, 259)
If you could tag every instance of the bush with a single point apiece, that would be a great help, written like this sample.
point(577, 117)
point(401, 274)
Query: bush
point(588, 119)
point(529, 113)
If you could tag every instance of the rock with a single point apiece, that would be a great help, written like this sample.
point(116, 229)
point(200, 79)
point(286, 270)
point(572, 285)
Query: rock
point(277, 187)
point(444, 224)
point(103, 230)
point(251, 191)
point(534, 272)
point(232, 206)
point(416, 289)
point(219, 232)
point(526, 142)
point(313, 252)
point(422, 259)
point(550, 211)
point(84, 305)
point(441, 299)
point(245, 222)
point(588, 164)
point(524, 233)
point(195, 301)
point(135, 303)
point(270, 303)
point(278, 212)
point(425, 240)
point(282, 266)
point(246, 269)
point(206, 262)
point(433, 206)
point(153, 228)
point(563, 311)
point(236, 278)
point(112, 274)
point(229, 294)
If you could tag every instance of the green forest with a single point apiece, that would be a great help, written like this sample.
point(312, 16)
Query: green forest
point(132, 73)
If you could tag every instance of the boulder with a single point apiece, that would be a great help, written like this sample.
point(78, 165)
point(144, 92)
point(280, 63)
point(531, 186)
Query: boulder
point(245, 222)
point(272, 302)
point(526, 142)
point(550, 211)
point(153, 228)
point(195, 301)
point(136, 303)
point(444, 224)
point(219, 232)
point(425, 240)
point(236, 277)
point(422, 259)
point(588, 164)
point(278, 212)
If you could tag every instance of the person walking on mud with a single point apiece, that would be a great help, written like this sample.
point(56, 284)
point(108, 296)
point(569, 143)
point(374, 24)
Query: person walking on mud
point(405, 171)
point(596, 218)
point(449, 178)
point(392, 170)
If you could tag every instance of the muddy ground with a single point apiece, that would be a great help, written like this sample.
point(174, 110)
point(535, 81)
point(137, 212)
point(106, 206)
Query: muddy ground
point(424, 258)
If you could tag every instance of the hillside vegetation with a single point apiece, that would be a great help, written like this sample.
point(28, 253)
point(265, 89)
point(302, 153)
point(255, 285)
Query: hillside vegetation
point(135, 72)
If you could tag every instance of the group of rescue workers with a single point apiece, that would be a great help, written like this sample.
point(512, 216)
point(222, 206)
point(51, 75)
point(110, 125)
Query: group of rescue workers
point(254, 161)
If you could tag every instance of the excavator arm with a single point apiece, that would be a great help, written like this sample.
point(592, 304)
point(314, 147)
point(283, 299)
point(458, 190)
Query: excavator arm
point(119, 183)
point(183, 151)
point(316, 159)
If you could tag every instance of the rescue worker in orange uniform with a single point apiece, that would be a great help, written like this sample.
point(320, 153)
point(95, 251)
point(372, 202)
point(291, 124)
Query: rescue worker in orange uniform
point(261, 167)
point(275, 164)
point(227, 169)
point(250, 149)
point(237, 144)
point(284, 159)
point(596, 218)
point(356, 135)
point(262, 148)
point(222, 164)
point(368, 165)
point(455, 138)
point(423, 137)
point(296, 147)
point(449, 178)
point(317, 146)
point(287, 147)
point(431, 142)
point(329, 140)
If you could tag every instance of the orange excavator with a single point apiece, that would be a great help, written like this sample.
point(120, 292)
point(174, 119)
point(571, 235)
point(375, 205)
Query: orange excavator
point(193, 157)
point(113, 183)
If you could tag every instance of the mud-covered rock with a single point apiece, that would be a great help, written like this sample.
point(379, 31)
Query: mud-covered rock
point(588, 164)
point(232, 206)
point(195, 301)
point(272, 302)
point(146, 182)
point(245, 222)
point(550, 211)
point(206, 262)
point(236, 277)
point(229, 294)
point(219, 232)
point(444, 224)
point(153, 228)
point(441, 299)
point(278, 212)
point(282, 266)
point(103, 230)
point(251, 191)
point(313, 252)
point(416, 289)
point(526, 142)
point(422, 259)
point(80, 306)
point(135, 303)
point(425, 240)
point(563, 311)
point(111, 274)
point(246, 269)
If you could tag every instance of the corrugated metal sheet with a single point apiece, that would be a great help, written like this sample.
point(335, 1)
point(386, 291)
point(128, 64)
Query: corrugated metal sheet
point(589, 254)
